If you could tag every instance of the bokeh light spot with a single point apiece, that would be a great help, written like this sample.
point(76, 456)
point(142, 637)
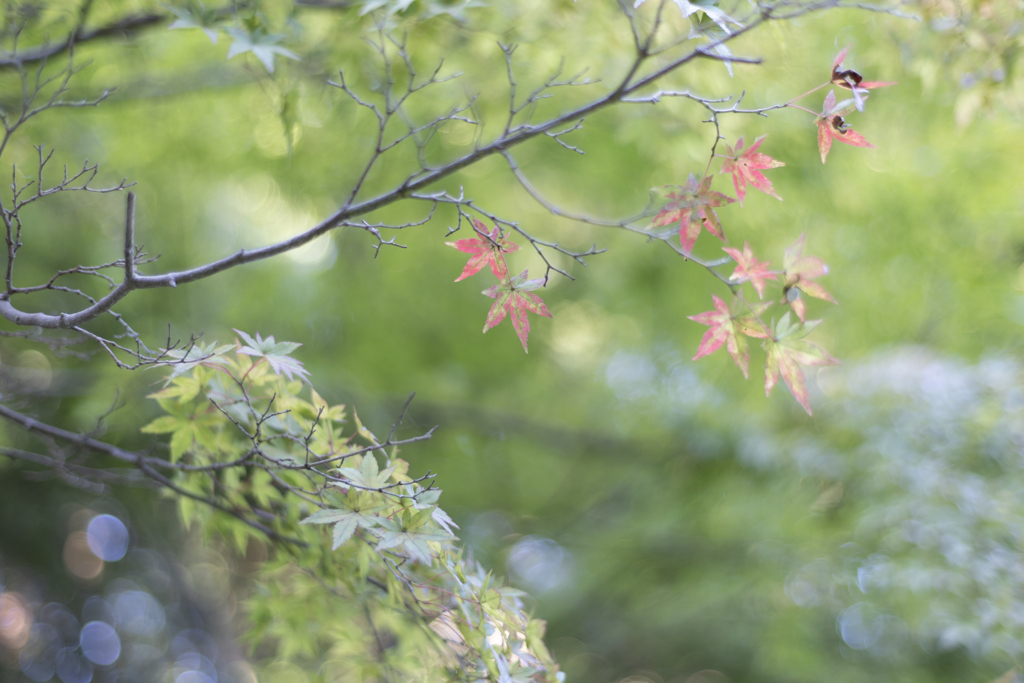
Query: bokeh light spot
point(108, 537)
point(241, 672)
point(540, 563)
point(15, 620)
point(38, 658)
point(708, 676)
point(193, 677)
point(79, 557)
point(98, 609)
point(860, 626)
point(139, 613)
point(100, 643)
point(62, 620)
point(33, 371)
point(193, 640)
point(72, 667)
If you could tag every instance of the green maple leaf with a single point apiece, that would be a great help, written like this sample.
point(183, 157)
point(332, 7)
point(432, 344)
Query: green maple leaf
point(276, 353)
point(185, 427)
point(199, 17)
point(708, 7)
point(326, 412)
point(368, 475)
point(428, 500)
point(456, 10)
point(414, 532)
point(183, 361)
point(264, 46)
point(787, 350)
point(358, 510)
point(391, 6)
point(182, 388)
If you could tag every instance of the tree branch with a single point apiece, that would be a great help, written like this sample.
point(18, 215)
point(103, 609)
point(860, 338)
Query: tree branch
point(125, 25)
point(350, 210)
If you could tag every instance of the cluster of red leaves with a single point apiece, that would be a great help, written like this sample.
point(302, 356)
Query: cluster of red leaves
point(730, 325)
point(692, 206)
point(783, 341)
point(831, 124)
point(513, 296)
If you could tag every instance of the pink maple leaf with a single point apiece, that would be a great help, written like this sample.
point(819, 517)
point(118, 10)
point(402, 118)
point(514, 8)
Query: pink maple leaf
point(513, 297)
point(853, 81)
point(799, 273)
point(486, 250)
point(746, 165)
point(749, 268)
point(831, 126)
point(729, 329)
point(692, 205)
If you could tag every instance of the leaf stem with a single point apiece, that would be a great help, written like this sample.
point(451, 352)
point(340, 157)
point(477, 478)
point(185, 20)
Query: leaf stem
point(812, 90)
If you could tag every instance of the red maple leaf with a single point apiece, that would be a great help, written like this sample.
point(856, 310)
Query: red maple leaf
point(729, 329)
point(487, 250)
point(787, 351)
point(853, 81)
point(515, 298)
point(749, 268)
point(689, 202)
point(799, 273)
point(831, 126)
point(746, 166)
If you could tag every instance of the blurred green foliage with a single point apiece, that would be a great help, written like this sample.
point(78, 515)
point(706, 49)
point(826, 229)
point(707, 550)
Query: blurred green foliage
point(675, 545)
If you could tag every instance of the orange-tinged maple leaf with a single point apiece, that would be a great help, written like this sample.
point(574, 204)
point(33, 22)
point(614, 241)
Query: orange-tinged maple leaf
point(787, 351)
point(749, 268)
point(486, 250)
point(853, 81)
point(799, 273)
point(746, 165)
point(513, 297)
point(831, 126)
point(692, 205)
point(729, 329)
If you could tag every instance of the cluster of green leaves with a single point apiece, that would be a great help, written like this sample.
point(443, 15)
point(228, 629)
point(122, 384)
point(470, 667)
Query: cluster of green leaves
point(250, 32)
point(262, 29)
point(250, 437)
